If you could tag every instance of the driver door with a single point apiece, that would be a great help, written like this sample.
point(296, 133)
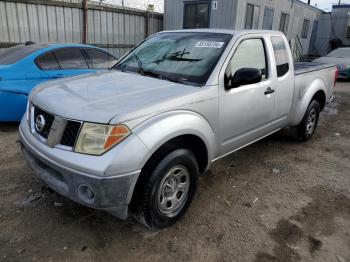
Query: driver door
point(246, 111)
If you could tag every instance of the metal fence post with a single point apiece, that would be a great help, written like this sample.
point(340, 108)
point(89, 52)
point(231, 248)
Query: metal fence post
point(146, 24)
point(85, 21)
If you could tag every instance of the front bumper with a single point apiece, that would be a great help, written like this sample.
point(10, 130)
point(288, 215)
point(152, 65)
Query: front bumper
point(109, 193)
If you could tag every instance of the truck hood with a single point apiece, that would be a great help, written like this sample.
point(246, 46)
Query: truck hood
point(100, 97)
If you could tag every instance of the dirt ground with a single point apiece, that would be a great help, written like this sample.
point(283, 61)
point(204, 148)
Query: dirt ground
point(277, 200)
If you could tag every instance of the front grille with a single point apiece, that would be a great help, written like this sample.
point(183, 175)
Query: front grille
point(70, 133)
point(44, 129)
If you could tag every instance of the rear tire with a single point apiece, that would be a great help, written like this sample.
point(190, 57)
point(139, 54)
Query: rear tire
point(307, 127)
point(168, 189)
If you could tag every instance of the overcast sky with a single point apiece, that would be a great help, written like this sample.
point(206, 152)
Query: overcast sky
point(322, 4)
point(326, 4)
point(142, 4)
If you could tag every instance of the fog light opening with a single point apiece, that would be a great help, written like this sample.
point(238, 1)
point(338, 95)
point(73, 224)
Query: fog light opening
point(86, 193)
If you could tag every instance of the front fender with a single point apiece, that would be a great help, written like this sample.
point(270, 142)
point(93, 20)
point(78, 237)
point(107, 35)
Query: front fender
point(158, 130)
point(303, 98)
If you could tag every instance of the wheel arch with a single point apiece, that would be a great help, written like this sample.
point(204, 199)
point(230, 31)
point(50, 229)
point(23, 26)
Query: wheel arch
point(170, 131)
point(176, 125)
point(320, 96)
point(188, 141)
point(315, 90)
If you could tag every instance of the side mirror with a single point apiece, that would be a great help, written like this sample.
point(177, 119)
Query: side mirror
point(244, 76)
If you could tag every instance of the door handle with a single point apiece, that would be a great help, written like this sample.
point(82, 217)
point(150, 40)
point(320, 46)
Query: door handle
point(269, 91)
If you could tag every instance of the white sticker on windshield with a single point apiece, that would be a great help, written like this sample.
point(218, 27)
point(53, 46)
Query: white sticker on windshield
point(209, 44)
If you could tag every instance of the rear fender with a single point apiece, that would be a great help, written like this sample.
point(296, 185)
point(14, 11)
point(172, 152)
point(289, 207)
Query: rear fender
point(303, 99)
point(156, 131)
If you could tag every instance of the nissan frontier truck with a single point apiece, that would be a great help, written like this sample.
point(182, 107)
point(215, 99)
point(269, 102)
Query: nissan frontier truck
point(134, 139)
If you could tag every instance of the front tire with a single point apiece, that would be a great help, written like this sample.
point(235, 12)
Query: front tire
point(307, 127)
point(168, 189)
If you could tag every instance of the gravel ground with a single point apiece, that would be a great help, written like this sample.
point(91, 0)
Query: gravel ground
point(276, 200)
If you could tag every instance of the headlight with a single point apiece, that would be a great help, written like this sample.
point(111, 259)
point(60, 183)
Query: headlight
point(96, 139)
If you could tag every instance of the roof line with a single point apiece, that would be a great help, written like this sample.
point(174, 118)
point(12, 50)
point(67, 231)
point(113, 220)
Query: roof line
point(307, 5)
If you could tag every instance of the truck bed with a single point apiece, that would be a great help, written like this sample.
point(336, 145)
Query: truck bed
point(306, 67)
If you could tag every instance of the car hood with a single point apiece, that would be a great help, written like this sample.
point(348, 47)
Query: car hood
point(4, 71)
point(100, 97)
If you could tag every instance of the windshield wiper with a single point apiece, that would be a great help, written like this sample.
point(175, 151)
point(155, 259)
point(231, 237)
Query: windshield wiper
point(161, 76)
point(178, 56)
point(180, 53)
point(139, 63)
point(182, 59)
point(172, 79)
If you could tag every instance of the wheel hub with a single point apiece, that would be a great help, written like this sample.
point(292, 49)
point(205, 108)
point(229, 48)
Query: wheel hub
point(173, 190)
point(170, 185)
point(311, 121)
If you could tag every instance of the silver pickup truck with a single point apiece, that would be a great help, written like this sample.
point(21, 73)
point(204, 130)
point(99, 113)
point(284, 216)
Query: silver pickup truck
point(134, 139)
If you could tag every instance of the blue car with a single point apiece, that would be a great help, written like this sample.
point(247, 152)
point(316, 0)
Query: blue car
point(25, 66)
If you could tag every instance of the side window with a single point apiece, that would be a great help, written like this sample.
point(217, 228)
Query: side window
point(48, 62)
point(268, 18)
point(100, 59)
point(305, 30)
point(281, 55)
point(249, 54)
point(252, 17)
point(71, 58)
point(284, 23)
point(196, 15)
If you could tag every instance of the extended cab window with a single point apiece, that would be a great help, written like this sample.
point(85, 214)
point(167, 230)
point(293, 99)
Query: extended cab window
point(281, 55)
point(48, 62)
point(71, 58)
point(100, 59)
point(249, 54)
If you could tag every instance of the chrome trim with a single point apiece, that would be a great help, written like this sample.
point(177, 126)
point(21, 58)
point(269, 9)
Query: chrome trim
point(44, 140)
point(63, 147)
point(32, 126)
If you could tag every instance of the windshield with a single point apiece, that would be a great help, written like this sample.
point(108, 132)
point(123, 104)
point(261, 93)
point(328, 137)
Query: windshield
point(14, 54)
point(340, 53)
point(183, 57)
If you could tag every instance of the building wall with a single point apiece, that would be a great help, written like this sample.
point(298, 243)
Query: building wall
point(340, 19)
point(231, 14)
point(223, 17)
point(322, 46)
point(297, 11)
point(332, 26)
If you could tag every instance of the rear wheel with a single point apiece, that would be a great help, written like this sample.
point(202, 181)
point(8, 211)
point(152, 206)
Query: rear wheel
point(168, 189)
point(307, 127)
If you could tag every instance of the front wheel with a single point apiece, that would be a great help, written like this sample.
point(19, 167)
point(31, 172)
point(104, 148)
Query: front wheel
point(168, 190)
point(307, 127)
